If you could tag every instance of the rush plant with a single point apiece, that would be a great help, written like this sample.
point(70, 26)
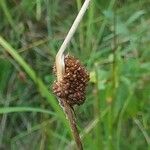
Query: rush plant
point(72, 79)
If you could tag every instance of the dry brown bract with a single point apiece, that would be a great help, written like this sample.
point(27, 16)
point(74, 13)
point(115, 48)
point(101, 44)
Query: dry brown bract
point(72, 87)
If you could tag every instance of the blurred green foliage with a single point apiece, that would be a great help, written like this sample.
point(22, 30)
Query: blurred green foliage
point(113, 41)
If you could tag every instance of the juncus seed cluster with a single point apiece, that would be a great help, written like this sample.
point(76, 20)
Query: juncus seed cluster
point(73, 85)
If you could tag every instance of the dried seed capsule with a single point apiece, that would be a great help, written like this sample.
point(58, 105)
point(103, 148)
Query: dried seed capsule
point(73, 85)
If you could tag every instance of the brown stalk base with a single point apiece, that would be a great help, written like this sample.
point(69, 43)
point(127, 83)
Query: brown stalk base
point(70, 91)
point(70, 115)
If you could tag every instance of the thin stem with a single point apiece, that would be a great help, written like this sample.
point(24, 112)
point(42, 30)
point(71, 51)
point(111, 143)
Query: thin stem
point(70, 116)
point(59, 56)
point(122, 112)
point(91, 126)
point(60, 67)
point(140, 126)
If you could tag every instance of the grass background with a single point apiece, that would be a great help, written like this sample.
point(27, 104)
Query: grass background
point(113, 41)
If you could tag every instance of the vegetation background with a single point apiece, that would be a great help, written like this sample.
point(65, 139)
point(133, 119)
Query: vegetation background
point(113, 41)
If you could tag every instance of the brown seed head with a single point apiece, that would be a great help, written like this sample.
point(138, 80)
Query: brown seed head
point(72, 87)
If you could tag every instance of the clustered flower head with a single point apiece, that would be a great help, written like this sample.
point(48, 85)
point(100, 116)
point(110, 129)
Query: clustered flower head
point(73, 85)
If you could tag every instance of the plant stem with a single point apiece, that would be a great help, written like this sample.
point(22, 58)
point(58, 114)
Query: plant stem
point(97, 111)
point(59, 56)
point(114, 85)
point(60, 67)
point(72, 121)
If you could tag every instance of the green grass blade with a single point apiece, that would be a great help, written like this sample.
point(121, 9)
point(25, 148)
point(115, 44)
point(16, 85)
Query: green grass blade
point(102, 29)
point(4, 110)
point(38, 9)
point(7, 13)
point(40, 85)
